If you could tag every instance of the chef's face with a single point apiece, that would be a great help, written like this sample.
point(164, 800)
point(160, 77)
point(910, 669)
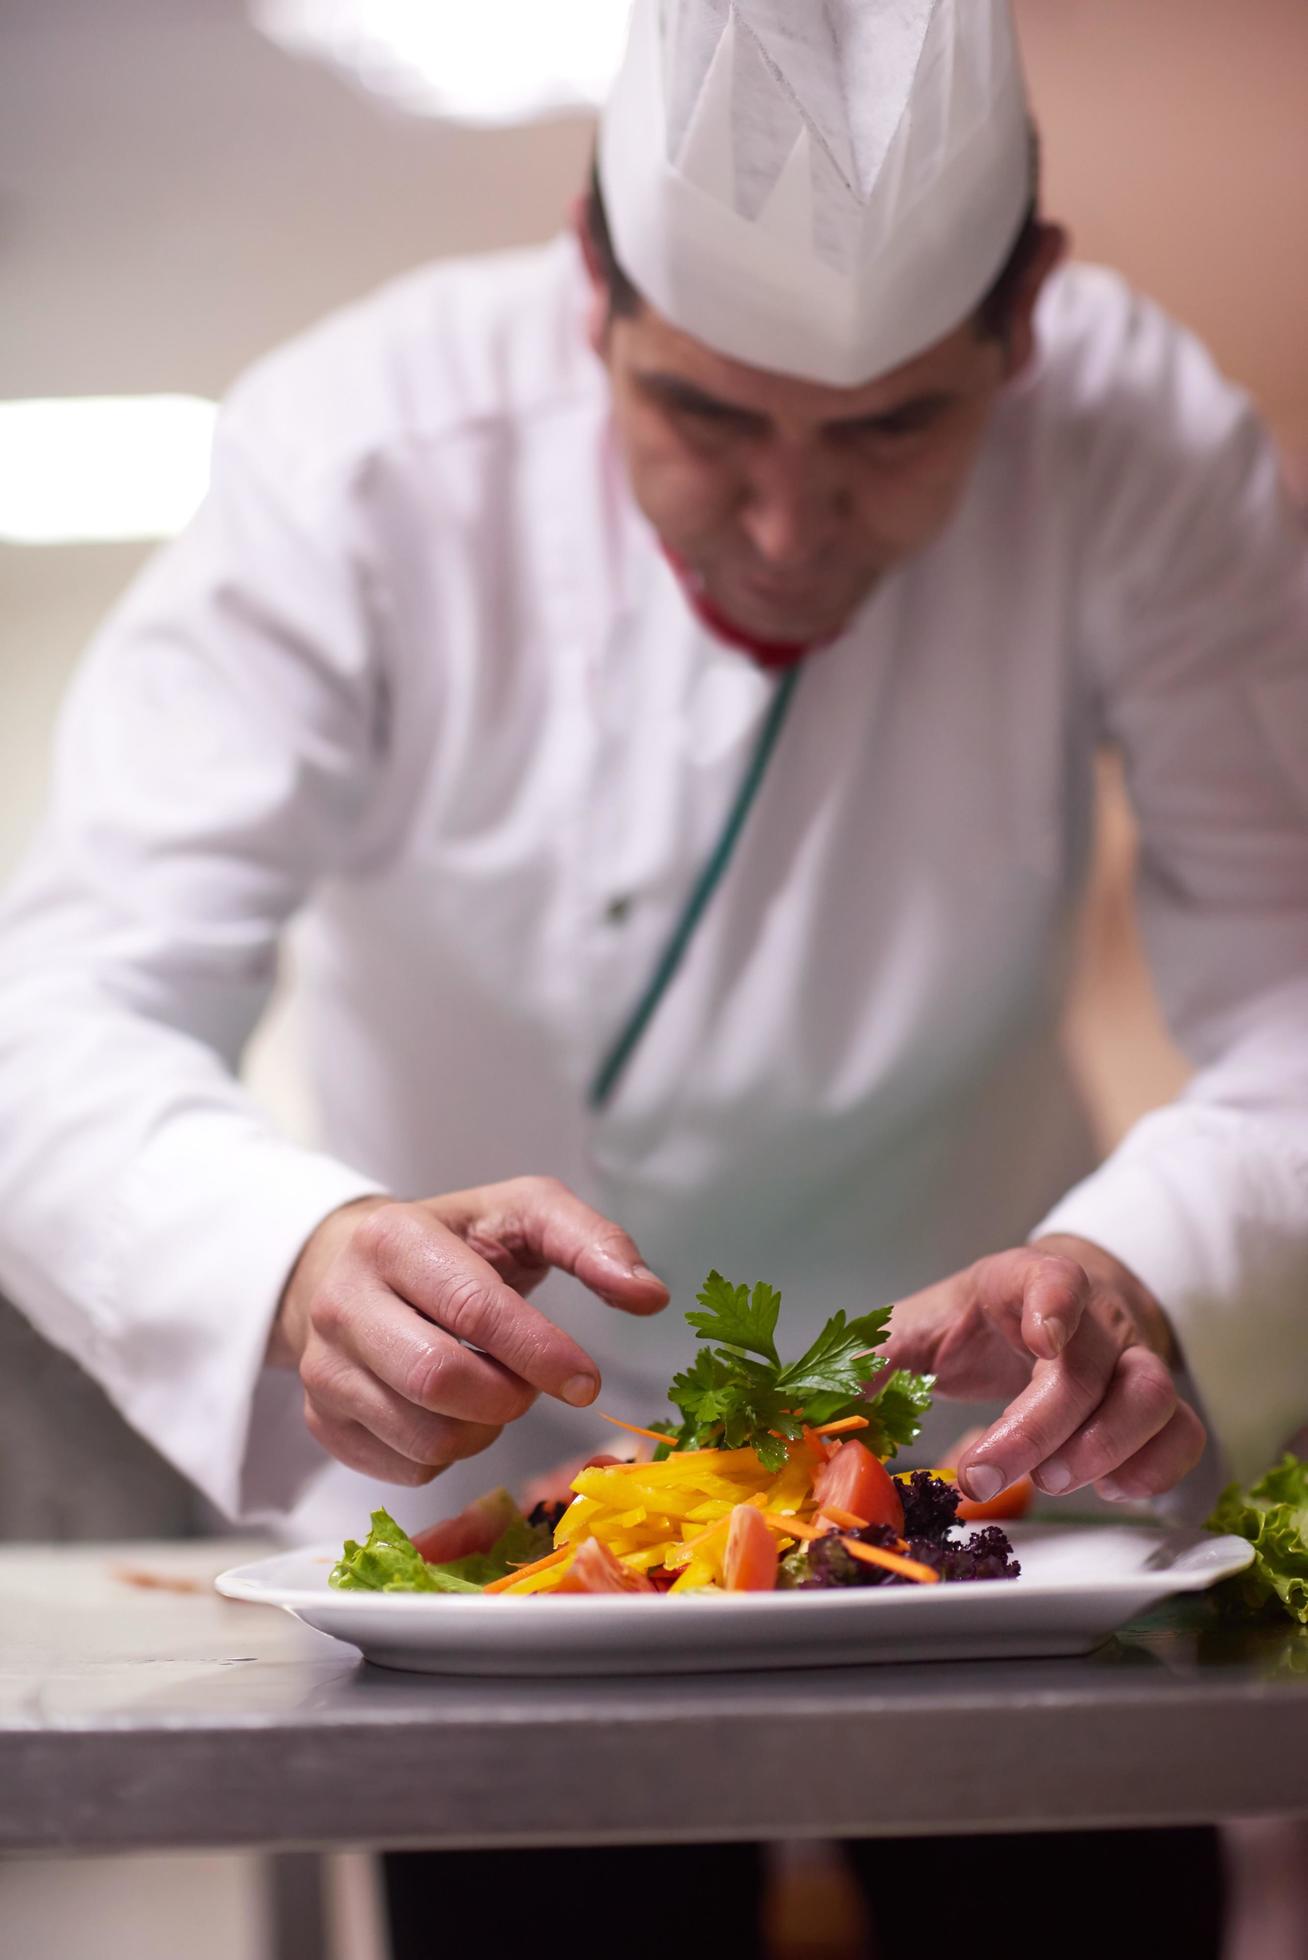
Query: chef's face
point(788, 499)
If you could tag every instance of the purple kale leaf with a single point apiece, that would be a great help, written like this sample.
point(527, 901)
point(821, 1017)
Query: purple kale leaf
point(987, 1554)
point(930, 1504)
point(826, 1563)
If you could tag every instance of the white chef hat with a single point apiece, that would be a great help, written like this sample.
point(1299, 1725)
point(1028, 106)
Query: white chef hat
point(820, 187)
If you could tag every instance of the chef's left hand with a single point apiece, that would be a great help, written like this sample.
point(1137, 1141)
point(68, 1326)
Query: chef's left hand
point(1083, 1351)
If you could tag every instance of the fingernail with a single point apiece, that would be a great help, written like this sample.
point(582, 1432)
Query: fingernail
point(580, 1390)
point(1112, 1491)
point(1057, 1332)
point(983, 1481)
point(1054, 1477)
point(643, 1272)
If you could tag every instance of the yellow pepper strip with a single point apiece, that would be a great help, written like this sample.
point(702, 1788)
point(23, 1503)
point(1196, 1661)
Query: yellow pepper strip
point(902, 1476)
point(721, 1462)
point(678, 1554)
point(528, 1571)
point(646, 1559)
point(572, 1526)
point(925, 1575)
point(675, 1507)
point(789, 1490)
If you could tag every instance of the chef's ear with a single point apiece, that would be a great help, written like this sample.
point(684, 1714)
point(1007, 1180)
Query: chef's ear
point(1047, 254)
point(599, 301)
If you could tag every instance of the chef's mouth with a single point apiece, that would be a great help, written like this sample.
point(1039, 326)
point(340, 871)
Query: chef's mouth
point(796, 607)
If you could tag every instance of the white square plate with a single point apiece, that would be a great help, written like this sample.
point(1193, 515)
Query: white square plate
point(1078, 1582)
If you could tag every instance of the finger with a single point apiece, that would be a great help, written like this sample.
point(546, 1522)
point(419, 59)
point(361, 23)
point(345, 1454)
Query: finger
point(427, 1265)
point(541, 1218)
point(1037, 1299)
point(1141, 1400)
point(1061, 1396)
point(1169, 1456)
point(358, 1449)
point(347, 1393)
point(428, 1366)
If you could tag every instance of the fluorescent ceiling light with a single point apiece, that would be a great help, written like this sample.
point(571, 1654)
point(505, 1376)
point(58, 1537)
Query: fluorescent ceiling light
point(102, 467)
point(476, 61)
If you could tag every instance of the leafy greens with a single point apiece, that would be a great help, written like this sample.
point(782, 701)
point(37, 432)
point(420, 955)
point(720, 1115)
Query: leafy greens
point(738, 1393)
point(389, 1561)
point(1273, 1515)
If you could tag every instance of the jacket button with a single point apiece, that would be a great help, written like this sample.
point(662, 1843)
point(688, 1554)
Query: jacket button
point(618, 909)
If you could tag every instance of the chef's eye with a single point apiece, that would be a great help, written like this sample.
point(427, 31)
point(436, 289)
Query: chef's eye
point(714, 419)
point(896, 428)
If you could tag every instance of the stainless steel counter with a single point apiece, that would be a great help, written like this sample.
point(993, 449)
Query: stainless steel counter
point(157, 1715)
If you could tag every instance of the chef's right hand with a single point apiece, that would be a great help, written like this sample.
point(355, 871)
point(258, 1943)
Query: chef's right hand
point(410, 1327)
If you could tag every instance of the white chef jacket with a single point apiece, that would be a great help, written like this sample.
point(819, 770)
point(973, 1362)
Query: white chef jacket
point(419, 678)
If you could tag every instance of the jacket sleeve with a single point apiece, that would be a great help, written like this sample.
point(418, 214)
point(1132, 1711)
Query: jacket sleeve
point(1197, 652)
point(221, 750)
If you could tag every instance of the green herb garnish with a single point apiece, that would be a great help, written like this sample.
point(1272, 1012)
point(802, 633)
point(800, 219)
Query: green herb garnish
point(738, 1393)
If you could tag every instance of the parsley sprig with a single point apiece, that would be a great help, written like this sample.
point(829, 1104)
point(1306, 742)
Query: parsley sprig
point(739, 1393)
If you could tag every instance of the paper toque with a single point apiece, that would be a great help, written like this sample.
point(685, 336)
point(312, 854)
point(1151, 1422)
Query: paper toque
point(820, 187)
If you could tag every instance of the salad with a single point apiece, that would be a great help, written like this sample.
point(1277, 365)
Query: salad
point(772, 1477)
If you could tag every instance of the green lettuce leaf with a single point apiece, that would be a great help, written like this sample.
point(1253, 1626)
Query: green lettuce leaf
point(1273, 1515)
point(389, 1561)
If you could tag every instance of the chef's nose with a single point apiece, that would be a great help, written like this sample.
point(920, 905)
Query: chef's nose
point(791, 510)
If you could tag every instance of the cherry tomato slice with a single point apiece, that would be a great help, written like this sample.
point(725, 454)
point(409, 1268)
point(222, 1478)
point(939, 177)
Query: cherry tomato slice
point(854, 1480)
point(473, 1530)
point(596, 1570)
point(750, 1564)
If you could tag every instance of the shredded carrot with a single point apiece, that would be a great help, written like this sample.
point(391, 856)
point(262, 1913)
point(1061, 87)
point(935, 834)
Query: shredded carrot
point(525, 1571)
point(924, 1575)
point(793, 1527)
point(653, 1435)
point(845, 1518)
point(819, 1450)
point(838, 1428)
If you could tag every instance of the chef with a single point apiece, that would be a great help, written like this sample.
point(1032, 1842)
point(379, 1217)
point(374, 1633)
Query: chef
point(652, 685)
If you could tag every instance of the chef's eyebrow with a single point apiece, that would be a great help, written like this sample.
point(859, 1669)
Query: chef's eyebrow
point(675, 392)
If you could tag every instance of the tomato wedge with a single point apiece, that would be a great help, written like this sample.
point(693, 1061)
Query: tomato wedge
point(473, 1530)
point(854, 1480)
point(750, 1564)
point(596, 1570)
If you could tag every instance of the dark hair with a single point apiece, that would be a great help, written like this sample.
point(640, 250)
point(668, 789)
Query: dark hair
point(994, 314)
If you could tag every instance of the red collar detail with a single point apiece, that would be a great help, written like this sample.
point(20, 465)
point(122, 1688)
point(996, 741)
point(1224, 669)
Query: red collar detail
point(772, 655)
